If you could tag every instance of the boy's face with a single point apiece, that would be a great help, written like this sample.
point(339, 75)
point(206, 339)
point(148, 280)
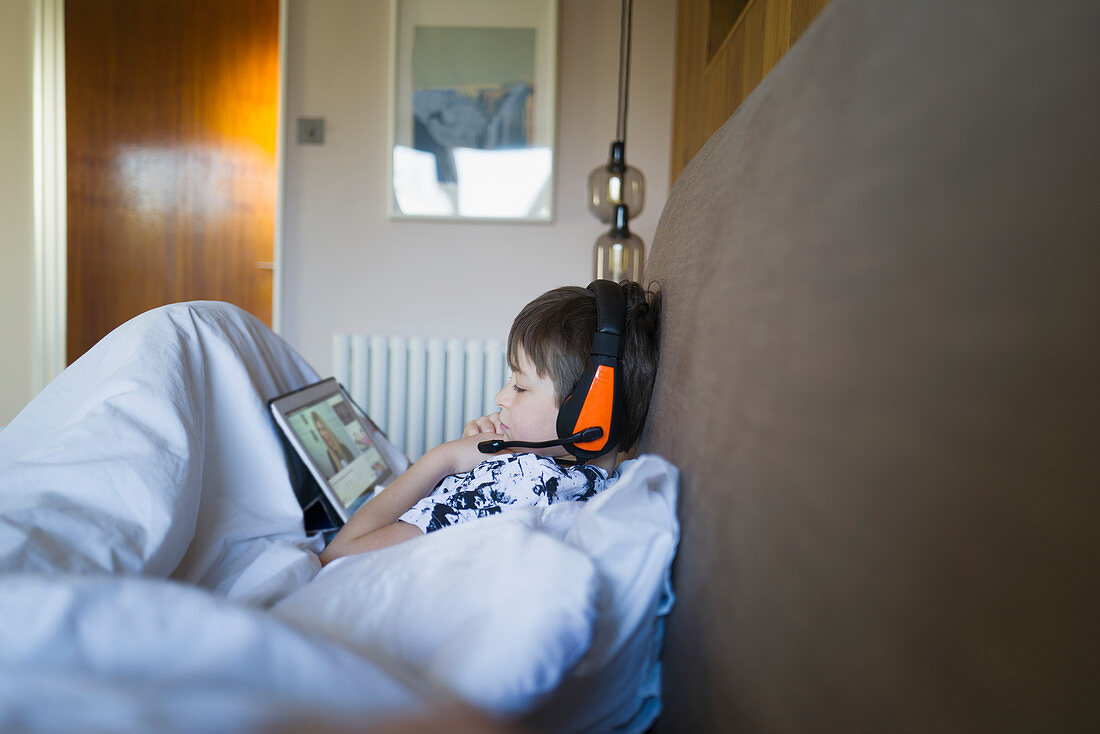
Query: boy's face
point(529, 407)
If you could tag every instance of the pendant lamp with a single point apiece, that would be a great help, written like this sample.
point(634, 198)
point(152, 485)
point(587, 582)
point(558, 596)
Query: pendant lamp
point(616, 191)
point(619, 253)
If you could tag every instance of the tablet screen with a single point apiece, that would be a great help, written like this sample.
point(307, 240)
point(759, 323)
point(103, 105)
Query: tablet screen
point(337, 444)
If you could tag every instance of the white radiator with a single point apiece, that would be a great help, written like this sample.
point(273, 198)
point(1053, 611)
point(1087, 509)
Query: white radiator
point(419, 391)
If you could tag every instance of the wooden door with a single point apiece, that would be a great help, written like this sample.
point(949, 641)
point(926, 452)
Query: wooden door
point(170, 111)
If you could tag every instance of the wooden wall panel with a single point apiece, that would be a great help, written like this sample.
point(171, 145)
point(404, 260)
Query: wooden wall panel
point(802, 14)
point(708, 90)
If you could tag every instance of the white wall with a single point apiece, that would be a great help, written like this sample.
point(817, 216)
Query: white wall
point(347, 267)
point(350, 269)
point(16, 206)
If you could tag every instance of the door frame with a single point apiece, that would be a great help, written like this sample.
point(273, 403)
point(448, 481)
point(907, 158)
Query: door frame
point(50, 233)
point(50, 194)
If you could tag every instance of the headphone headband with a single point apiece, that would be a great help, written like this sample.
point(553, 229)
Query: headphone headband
point(610, 311)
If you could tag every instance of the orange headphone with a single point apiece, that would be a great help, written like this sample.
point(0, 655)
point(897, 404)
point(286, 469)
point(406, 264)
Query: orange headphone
point(596, 401)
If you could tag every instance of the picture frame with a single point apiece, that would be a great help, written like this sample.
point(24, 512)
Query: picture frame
point(473, 110)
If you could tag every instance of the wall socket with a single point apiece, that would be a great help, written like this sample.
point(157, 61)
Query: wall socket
point(311, 131)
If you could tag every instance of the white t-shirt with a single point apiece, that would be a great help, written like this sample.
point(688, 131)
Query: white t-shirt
point(501, 482)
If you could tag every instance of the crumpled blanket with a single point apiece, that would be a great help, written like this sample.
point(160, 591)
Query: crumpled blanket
point(154, 454)
point(146, 520)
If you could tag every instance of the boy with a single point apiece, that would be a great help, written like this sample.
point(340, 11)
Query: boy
point(549, 349)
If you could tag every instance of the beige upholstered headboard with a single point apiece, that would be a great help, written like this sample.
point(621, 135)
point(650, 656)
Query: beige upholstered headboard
point(881, 379)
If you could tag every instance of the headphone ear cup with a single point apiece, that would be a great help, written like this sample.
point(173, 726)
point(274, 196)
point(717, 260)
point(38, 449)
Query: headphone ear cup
point(570, 411)
point(594, 401)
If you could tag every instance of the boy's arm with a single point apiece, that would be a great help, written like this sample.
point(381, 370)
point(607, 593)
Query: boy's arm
point(405, 491)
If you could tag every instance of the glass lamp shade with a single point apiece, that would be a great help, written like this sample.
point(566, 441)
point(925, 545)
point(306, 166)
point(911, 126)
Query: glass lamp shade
point(619, 254)
point(614, 184)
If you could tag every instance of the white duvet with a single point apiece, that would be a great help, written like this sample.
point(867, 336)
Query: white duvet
point(154, 574)
point(141, 492)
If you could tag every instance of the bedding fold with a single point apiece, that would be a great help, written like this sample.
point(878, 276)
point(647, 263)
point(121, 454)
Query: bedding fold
point(154, 454)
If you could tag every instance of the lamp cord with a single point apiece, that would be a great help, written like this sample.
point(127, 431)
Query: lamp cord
point(624, 67)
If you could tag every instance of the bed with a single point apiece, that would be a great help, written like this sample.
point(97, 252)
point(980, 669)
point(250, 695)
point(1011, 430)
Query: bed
point(157, 576)
point(878, 384)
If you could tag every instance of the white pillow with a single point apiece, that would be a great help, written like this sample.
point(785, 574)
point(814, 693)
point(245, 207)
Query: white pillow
point(630, 532)
point(555, 613)
point(493, 610)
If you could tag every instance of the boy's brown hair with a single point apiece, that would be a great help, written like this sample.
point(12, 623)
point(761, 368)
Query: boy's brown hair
point(555, 331)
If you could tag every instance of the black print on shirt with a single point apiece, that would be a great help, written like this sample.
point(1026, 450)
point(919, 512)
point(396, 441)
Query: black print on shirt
point(513, 480)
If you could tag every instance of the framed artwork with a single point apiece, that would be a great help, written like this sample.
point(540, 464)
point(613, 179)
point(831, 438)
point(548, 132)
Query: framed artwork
point(473, 102)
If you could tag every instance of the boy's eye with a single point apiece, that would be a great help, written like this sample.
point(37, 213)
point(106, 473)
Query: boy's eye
point(517, 388)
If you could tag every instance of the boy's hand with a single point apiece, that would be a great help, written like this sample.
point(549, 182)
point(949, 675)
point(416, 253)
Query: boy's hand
point(485, 424)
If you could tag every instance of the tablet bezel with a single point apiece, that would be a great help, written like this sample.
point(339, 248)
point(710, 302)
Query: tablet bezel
point(284, 406)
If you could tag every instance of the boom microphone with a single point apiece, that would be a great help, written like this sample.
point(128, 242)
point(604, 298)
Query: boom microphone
point(588, 434)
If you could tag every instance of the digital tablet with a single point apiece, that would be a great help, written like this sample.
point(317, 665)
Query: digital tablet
point(336, 443)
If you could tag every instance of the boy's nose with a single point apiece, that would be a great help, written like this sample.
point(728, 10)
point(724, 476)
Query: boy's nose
point(499, 397)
